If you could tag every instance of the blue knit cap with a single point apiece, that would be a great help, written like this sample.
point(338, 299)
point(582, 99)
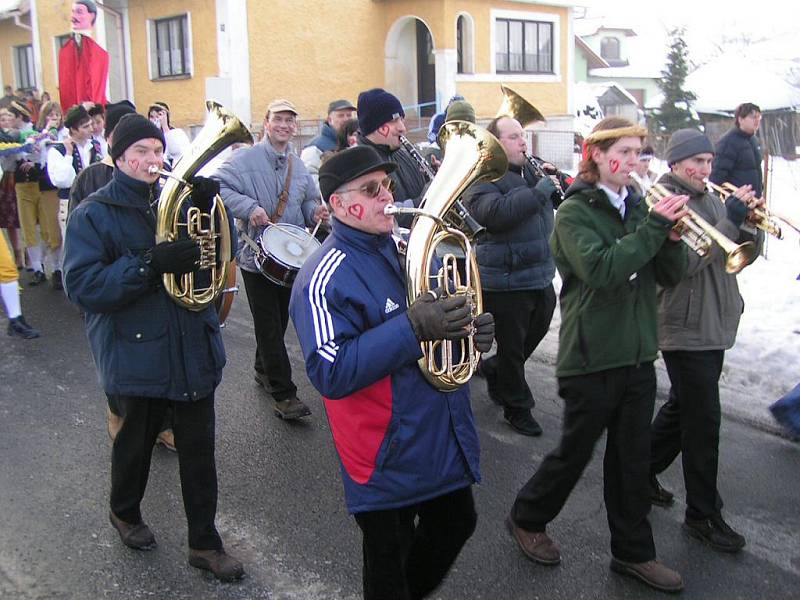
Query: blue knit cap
point(376, 107)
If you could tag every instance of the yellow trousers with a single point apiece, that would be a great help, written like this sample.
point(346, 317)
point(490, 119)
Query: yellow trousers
point(39, 207)
point(8, 270)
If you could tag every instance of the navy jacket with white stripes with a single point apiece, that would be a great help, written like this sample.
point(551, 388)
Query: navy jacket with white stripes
point(400, 441)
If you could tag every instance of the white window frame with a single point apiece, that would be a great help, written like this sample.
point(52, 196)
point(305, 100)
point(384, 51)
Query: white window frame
point(152, 48)
point(31, 74)
point(468, 42)
point(519, 15)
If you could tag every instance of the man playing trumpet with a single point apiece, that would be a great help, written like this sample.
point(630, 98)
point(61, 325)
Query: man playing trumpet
point(698, 319)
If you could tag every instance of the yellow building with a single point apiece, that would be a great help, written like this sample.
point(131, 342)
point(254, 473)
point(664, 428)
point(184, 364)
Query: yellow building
point(246, 52)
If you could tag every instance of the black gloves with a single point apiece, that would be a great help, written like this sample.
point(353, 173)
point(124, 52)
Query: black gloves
point(736, 209)
point(179, 257)
point(203, 192)
point(441, 318)
point(484, 332)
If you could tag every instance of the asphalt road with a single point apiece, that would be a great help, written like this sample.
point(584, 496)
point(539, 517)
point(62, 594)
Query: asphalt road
point(281, 506)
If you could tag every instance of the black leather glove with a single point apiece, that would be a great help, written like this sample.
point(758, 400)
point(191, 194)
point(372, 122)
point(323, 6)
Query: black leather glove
point(179, 257)
point(484, 332)
point(546, 186)
point(736, 209)
point(203, 192)
point(440, 318)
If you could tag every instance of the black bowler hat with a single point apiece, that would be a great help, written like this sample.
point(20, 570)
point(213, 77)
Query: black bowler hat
point(348, 165)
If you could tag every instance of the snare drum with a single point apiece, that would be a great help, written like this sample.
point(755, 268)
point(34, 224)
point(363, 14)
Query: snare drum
point(284, 249)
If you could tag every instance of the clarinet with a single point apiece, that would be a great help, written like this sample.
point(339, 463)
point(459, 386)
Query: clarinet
point(459, 213)
point(536, 164)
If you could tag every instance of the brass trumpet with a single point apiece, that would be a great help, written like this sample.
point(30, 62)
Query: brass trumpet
point(761, 218)
point(699, 234)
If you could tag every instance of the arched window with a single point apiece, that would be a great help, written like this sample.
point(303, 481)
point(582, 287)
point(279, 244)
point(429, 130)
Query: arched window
point(465, 43)
point(609, 48)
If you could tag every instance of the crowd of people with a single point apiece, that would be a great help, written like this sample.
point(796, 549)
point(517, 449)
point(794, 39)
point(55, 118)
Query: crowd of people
point(409, 452)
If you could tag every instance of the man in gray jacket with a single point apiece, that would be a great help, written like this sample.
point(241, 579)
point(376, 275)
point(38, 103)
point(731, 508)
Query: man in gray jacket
point(251, 185)
point(698, 319)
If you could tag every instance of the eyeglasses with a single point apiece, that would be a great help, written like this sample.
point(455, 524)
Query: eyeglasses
point(373, 188)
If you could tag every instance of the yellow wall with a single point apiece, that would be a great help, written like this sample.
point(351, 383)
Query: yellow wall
point(185, 96)
point(10, 36)
point(53, 22)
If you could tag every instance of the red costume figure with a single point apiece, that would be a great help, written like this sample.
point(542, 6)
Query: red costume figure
point(82, 63)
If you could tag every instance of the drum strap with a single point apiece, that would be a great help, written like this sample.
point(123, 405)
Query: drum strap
point(283, 197)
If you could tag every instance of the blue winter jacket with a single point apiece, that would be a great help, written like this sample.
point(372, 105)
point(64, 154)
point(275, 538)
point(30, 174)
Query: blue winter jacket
point(400, 441)
point(143, 343)
point(514, 251)
point(738, 160)
point(327, 140)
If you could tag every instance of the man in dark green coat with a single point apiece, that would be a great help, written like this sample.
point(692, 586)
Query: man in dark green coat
point(611, 252)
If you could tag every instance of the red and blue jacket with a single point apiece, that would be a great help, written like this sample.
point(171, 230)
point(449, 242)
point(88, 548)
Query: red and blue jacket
point(400, 440)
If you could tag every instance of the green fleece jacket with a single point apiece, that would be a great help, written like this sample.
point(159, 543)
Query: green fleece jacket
point(609, 268)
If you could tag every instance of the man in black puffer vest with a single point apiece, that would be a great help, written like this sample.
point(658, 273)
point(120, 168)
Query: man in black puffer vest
point(738, 156)
point(516, 270)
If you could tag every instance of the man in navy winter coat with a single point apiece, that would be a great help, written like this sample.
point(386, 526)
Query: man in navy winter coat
point(738, 153)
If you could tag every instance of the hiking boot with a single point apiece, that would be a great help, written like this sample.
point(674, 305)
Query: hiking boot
point(536, 545)
point(55, 281)
point(38, 277)
point(137, 536)
point(167, 439)
point(652, 573)
point(18, 327)
point(660, 496)
point(222, 565)
point(291, 409)
point(522, 421)
point(114, 424)
point(715, 532)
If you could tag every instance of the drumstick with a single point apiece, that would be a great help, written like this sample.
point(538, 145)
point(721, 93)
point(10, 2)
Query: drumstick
point(313, 233)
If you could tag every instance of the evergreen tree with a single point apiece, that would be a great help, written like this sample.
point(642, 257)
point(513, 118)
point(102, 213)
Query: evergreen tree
point(676, 110)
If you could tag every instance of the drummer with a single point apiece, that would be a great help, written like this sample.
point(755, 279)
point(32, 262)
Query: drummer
point(263, 185)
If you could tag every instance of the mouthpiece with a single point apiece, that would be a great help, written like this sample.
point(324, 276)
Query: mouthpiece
point(153, 169)
point(390, 209)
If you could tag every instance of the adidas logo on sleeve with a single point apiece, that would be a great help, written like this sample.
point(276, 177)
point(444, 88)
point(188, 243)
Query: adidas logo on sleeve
point(391, 305)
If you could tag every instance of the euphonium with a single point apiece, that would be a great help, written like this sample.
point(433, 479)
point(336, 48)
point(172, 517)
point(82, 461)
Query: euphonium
point(210, 230)
point(699, 234)
point(472, 154)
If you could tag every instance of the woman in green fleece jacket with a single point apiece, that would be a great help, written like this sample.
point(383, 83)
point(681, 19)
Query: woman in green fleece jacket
point(611, 251)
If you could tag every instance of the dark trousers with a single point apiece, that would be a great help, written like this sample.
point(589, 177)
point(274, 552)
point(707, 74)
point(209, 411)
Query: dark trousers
point(621, 402)
point(404, 560)
point(521, 320)
point(114, 408)
point(193, 426)
point(269, 305)
point(688, 423)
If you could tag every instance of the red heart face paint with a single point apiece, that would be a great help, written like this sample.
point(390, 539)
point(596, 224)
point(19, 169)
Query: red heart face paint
point(690, 173)
point(357, 210)
point(134, 164)
point(613, 165)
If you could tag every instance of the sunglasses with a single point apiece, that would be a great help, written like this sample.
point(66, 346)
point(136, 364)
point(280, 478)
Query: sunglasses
point(373, 188)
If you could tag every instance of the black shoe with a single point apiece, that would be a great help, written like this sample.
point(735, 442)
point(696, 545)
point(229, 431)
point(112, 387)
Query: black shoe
point(17, 327)
point(522, 420)
point(291, 409)
point(658, 495)
point(715, 532)
point(55, 280)
point(38, 277)
point(222, 565)
point(138, 536)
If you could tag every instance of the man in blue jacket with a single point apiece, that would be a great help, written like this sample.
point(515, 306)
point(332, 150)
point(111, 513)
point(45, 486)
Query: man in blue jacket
point(408, 451)
point(339, 113)
point(738, 153)
point(149, 352)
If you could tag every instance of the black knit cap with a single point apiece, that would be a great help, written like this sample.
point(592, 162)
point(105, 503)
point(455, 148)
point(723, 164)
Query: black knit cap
point(348, 165)
point(376, 107)
point(75, 116)
point(685, 143)
point(130, 129)
point(114, 112)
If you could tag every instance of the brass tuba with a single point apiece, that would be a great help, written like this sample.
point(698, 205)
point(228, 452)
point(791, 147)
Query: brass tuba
point(473, 154)
point(210, 230)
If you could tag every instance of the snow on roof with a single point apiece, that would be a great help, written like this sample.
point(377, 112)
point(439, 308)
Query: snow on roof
point(12, 6)
point(725, 83)
point(628, 72)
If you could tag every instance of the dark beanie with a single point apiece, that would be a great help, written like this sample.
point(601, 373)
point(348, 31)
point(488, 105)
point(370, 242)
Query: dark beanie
point(75, 116)
point(114, 112)
point(685, 143)
point(130, 129)
point(376, 107)
point(460, 110)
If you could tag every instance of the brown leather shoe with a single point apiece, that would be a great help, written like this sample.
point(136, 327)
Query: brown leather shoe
point(536, 545)
point(167, 439)
point(222, 565)
point(652, 573)
point(137, 536)
point(291, 409)
point(114, 424)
